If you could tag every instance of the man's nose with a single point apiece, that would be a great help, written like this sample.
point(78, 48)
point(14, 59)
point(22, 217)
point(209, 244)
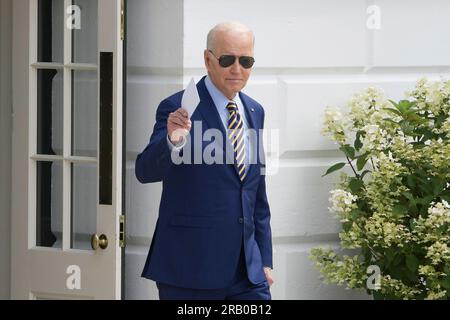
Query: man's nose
point(236, 67)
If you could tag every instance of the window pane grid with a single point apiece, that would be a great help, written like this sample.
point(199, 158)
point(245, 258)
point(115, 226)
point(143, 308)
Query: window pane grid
point(65, 152)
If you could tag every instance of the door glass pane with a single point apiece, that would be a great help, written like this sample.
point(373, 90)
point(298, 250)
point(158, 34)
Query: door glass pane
point(84, 35)
point(84, 204)
point(49, 111)
point(50, 30)
point(84, 113)
point(49, 204)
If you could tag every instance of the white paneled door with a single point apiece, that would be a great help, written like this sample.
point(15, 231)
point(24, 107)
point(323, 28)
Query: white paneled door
point(67, 149)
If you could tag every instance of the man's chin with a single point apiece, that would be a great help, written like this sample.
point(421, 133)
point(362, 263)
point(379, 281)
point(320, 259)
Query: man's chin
point(235, 84)
point(235, 89)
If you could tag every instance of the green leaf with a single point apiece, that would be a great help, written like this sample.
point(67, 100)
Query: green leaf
point(390, 120)
point(447, 270)
point(335, 167)
point(346, 226)
point(410, 181)
point(446, 198)
point(393, 102)
point(362, 155)
point(356, 213)
point(413, 117)
point(446, 282)
point(407, 127)
point(397, 260)
point(410, 275)
point(425, 187)
point(393, 111)
point(355, 185)
point(390, 255)
point(438, 185)
point(364, 173)
point(358, 144)
point(399, 210)
point(413, 209)
point(410, 197)
point(404, 105)
point(412, 263)
point(361, 162)
point(426, 133)
point(393, 187)
point(367, 254)
point(440, 119)
point(348, 150)
point(397, 273)
point(425, 201)
point(362, 205)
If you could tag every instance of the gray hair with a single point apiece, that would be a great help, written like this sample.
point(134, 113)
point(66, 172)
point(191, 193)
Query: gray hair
point(226, 26)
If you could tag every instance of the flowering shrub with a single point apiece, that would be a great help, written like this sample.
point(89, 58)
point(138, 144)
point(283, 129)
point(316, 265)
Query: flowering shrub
point(394, 207)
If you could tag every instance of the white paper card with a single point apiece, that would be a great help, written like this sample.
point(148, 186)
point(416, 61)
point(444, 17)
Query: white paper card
point(190, 99)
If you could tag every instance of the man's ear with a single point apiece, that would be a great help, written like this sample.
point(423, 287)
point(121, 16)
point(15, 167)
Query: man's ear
point(207, 58)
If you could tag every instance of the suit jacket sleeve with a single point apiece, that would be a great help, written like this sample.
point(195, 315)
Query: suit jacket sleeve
point(263, 233)
point(153, 163)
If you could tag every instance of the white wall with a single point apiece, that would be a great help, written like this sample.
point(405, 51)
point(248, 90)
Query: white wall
point(5, 143)
point(155, 70)
point(309, 54)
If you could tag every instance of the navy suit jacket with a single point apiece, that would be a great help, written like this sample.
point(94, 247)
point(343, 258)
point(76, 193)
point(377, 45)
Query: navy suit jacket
point(206, 214)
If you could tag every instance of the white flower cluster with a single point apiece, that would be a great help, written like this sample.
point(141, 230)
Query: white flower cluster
point(435, 227)
point(342, 203)
point(336, 125)
point(389, 285)
point(378, 190)
point(431, 275)
point(354, 238)
point(446, 126)
point(438, 252)
point(366, 107)
point(384, 233)
point(374, 139)
point(432, 97)
point(440, 209)
point(388, 164)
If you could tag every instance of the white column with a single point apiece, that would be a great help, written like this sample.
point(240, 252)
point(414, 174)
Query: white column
point(155, 70)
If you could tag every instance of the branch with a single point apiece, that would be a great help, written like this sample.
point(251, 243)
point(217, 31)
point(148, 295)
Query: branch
point(374, 253)
point(350, 163)
point(373, 165)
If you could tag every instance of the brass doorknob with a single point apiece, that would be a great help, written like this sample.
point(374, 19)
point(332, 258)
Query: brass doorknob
point(99, 241)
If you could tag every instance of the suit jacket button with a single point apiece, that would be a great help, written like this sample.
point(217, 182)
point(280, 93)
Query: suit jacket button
point(241, 220)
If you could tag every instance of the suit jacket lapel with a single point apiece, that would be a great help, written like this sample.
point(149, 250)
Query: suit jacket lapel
point(249, 111)
point(213, 120)
point(207, 109)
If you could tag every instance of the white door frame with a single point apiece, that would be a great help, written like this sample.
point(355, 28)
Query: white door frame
point(40, 272)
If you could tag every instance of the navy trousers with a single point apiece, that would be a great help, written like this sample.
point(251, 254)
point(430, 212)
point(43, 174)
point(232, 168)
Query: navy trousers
point(240, 289)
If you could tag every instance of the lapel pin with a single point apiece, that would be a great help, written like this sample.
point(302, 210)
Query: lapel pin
point(253, 110)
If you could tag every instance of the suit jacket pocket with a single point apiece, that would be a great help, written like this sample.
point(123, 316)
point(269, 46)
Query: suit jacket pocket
point(194, 221)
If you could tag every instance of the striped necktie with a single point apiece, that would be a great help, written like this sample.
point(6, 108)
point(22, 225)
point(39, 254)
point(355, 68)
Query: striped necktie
point(236, 136)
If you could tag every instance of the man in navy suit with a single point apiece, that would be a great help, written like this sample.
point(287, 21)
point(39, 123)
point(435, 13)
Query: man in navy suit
point(213, 237)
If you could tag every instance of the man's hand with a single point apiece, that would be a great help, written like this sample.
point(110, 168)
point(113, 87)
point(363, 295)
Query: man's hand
point(178, 125)
point(268, 274)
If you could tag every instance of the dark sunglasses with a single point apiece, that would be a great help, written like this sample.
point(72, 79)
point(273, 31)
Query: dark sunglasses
point(227, 60)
